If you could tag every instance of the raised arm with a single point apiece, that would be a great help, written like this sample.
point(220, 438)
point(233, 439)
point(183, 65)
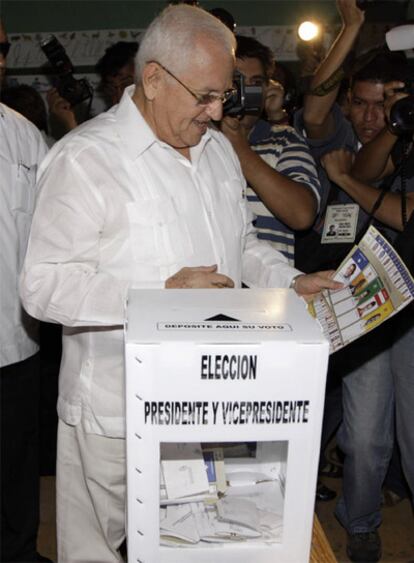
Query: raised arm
point(316, 113)
point(292, 196)
point(338, 167)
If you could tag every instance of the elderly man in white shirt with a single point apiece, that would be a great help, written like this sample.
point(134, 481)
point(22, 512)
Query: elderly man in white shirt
point(145, 195)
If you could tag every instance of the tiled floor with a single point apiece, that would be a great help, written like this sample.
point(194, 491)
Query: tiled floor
point(397, 531)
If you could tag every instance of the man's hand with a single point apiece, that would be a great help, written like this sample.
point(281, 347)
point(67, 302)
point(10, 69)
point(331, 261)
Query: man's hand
point(309, 285)
point(350, 13)
point(338, 163)
point(392, 92)
point(202, 277)
point(235, 132)
point(61, 109)
point(273, 102)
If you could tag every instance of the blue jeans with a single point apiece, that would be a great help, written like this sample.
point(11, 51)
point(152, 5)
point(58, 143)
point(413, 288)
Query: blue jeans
point(380, 374)
point(402, 362)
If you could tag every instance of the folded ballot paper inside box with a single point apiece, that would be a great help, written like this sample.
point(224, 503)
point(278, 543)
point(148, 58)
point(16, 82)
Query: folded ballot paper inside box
point(207, 495)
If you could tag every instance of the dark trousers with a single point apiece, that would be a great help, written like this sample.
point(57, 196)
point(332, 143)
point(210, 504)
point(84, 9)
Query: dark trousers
point(19, 435)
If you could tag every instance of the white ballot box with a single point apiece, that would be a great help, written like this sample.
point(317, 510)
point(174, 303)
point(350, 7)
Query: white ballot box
point(224, 402)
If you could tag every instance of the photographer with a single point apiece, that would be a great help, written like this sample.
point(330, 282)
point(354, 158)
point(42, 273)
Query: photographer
point(373, 162)
point(116, 69)
point(70, 100)
point(366, 371)
point(395, 361)
point(283, 186)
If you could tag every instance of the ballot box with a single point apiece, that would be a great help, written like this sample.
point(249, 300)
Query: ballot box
point(224, 402)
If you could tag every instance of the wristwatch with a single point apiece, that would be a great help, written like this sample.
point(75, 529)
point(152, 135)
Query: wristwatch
point(293, 282)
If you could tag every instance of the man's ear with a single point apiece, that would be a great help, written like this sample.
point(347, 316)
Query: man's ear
point(151, 80)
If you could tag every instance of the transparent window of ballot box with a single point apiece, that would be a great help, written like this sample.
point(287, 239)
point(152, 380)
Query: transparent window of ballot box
point(214, 495)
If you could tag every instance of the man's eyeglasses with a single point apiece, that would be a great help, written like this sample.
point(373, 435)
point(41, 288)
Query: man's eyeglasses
point(4, 48)
point(202, 99)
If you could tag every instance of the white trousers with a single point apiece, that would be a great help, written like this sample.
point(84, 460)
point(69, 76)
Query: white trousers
point(90, 496)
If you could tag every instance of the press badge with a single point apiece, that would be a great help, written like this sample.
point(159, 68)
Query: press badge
point(340, 223)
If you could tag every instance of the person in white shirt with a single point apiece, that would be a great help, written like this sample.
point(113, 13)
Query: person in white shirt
point(145, 195)
point(21, 150)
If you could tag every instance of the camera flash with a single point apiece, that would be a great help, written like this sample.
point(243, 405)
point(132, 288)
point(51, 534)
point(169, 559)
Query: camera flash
point(308, 31)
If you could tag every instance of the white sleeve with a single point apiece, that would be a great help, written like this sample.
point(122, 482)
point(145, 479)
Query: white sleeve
point(262, 265)
point(61, 280)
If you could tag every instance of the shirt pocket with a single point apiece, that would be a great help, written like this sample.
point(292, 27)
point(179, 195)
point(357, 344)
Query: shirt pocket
point(23, 192)
point(158, 235)
point(235, 219)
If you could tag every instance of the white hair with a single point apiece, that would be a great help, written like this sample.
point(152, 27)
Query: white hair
point(171, 37)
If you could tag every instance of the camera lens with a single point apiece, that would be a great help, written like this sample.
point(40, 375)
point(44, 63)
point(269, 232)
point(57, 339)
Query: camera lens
point(402, 115)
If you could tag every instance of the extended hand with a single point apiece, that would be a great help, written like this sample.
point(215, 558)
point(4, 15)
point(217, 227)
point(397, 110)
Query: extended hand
point(234, 131)
point(310, 284)
point(201, 277)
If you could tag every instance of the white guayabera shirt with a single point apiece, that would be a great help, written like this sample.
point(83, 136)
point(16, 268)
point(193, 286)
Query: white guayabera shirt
point(118, 208)
point(21, 150)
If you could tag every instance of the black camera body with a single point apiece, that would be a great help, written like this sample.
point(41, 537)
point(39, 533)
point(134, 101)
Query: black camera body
point(364, 4)
point(247, 99)
point(408, 87)
point(402, 112)
point(73, 90)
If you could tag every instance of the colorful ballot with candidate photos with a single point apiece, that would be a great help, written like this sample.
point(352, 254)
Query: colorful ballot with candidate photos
point(377, 285)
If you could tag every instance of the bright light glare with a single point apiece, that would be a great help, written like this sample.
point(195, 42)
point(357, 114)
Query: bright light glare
point(307, 31)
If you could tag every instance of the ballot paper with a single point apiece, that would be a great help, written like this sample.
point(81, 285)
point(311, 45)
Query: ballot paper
point(183, 469)
point(377, 285)
point(214, 461)
point(246, 478)
point(237, 510)
point(211, 529)
point(208, 497)
point(178, 522)
point(244, 513)
point(267, 496)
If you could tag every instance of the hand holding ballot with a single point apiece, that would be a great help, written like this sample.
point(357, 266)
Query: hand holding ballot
point(307, 285)
point(376, 285)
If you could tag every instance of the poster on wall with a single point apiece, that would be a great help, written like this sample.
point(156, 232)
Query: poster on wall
point(27, 63)
point(84, 48)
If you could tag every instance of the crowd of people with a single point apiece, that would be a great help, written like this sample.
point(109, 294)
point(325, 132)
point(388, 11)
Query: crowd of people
point(166, 190)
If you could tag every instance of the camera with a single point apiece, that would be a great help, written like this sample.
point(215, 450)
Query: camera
point(246, 100)
point(409, 87)
point(402, 112)
point(73, 90)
